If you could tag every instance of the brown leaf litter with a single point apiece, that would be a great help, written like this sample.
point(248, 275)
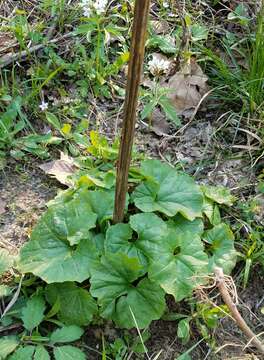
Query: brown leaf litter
point(61, 169)
point(187, 88)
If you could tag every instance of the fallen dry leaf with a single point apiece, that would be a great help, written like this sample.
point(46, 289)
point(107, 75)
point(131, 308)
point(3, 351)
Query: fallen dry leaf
point(160, 27)
point(187, 87)
point(2, 206)
point(159, 125)
point(61, 169)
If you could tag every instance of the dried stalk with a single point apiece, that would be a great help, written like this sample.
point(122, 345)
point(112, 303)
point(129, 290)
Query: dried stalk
point(134, 77)
point(221, 284)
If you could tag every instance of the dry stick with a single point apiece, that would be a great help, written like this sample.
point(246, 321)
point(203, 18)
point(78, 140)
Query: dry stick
point(134, 77)
point(220, 278)
point(9, 59)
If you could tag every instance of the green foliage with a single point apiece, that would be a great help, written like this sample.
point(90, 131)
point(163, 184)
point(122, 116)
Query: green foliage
point(242, 83)
point(41, 353)
point(250, 243)
point(130, 266)
point(61, 246)
point(155, 98)
point(7, 345)
point(76, 306)
point(31, 344)
point(221, 241)
point(33, 312)
point(155, 193)
point(6, 261)
point(66, 334)
point(68, 352)
point(181, 265)
point(121, 298)
point(24, 352)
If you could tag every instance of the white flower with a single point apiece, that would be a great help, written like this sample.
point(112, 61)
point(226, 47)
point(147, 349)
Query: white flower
point(158, 66)
point(100, 6)
point(93, 6)
point(43, 106)
point(166, 5)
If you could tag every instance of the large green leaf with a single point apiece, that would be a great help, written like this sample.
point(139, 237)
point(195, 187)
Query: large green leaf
point(54, 260)
point(102, 203)
point(49, 253)
point(168, 191)
point(183, 226)
point(68, 222)
point(33, 312)
point(23, 353)
point(211, 210)
point(68, 352)
point(181, 266)
point(66, 334)
point(41, 353)
point(123, 297)
point(222, 248)
point(151, 233)
point(7, 345)
point(218, 194)
point(76, 304)
point(6, 261)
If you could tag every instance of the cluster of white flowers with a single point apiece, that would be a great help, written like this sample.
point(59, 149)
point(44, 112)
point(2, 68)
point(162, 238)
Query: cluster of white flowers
point(93, 6)
point(158, 66)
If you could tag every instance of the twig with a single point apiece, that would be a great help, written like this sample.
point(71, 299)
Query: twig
point(221, 283)
point(9, 59)
point(10, 327)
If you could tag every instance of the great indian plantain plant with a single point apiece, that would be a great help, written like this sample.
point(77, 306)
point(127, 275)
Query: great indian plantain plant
point(169, 243)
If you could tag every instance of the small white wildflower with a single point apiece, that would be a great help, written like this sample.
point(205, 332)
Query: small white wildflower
point(166, 5)
point(93, 6)
point(158, 66)
point(100, 6)
point(43, 106)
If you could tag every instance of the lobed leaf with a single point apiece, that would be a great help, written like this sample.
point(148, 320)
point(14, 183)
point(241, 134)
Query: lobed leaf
point(122, 295)
point(222, 248)
point(168, 191)
point(218, 194)
point(54, 260)
point(180, 266)
point(151, 232)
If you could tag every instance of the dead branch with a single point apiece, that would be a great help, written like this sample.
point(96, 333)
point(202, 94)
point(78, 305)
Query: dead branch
point(221, 284)
point(11, 58)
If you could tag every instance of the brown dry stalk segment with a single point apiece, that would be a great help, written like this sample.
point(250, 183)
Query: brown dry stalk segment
point(134, 78)
point(220, 278)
